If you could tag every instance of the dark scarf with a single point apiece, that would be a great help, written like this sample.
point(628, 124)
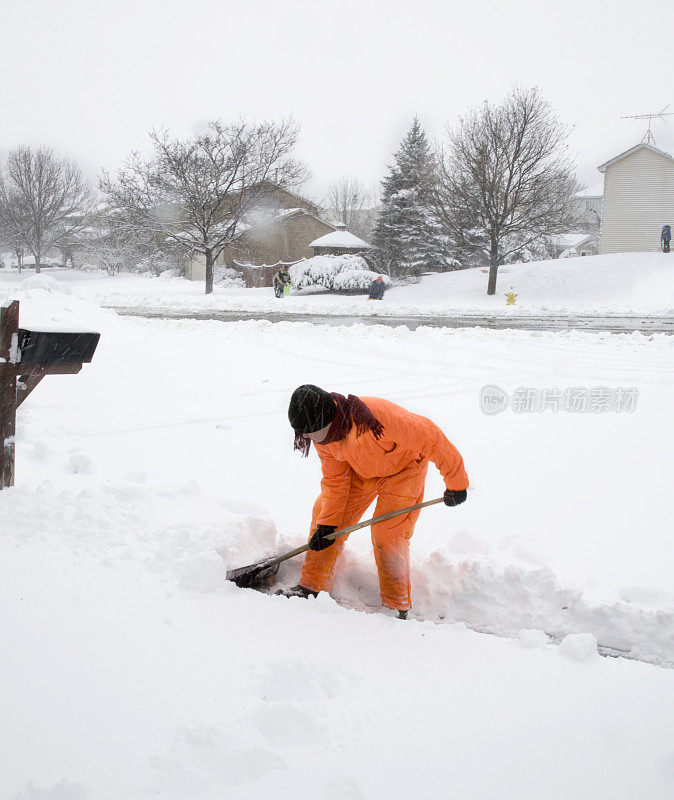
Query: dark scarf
point(349, 411)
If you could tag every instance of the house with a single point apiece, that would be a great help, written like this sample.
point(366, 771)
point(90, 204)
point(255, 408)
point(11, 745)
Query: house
point(638, 199)
point(338, 243)
point(567, 245)
point(588, 203)
point(280, 230)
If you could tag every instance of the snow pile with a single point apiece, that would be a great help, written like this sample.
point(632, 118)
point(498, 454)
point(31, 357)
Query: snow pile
point(502, 594)
point(533, 638)
point(192, 541)
point(332, 272)
point(46, 283)
point(578, 646)
point(48, 304)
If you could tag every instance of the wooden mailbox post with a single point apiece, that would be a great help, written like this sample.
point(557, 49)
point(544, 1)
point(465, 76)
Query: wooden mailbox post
point(26, 356)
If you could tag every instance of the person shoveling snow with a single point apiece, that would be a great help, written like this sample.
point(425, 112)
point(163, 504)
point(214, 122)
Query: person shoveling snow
point(369, 448)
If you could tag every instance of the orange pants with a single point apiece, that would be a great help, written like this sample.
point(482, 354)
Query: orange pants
point(390, 539)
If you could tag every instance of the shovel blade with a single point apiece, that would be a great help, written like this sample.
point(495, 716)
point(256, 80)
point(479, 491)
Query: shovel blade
point(254, 575)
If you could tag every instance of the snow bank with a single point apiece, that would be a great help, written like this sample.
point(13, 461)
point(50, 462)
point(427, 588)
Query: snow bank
point(49, 304)
point(503, 595)
point(626, 283)
point(166, 532)
point(192, 541)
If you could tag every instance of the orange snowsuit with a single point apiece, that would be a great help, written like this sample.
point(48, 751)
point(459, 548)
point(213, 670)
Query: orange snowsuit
point(393, 469)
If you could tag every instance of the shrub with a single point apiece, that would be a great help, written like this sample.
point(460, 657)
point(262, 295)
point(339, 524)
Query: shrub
point(340, 273)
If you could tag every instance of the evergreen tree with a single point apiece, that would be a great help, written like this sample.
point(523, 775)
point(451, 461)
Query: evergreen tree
point(406, 239)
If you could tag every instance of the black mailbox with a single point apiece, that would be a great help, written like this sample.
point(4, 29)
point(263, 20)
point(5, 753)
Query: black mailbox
point(56, 347)
point(26, 357)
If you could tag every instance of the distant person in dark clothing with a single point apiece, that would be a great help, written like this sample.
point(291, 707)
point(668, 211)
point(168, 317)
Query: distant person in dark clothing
point(377, 289)
point(281, 280)
point(666, 237)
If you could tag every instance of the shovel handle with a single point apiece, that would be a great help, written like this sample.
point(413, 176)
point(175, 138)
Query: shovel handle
point(344, 531)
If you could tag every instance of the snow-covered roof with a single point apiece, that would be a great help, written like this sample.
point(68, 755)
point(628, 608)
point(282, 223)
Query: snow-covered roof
point(288, 212)
point(339, 238)
point(566, 240)
point(278, 214)
point(603, 167)
point(594, 191)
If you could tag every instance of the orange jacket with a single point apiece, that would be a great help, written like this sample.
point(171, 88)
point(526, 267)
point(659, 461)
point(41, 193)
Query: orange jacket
point(407, 438)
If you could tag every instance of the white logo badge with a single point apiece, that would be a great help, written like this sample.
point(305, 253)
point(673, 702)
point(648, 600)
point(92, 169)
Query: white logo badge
point(493, 399)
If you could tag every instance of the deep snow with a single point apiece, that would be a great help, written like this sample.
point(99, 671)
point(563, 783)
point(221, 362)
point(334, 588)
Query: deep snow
point(134, 670)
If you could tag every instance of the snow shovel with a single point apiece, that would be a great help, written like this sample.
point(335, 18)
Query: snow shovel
point(261, 574)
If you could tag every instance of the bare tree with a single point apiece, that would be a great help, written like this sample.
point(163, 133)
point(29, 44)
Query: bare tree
point(44, 200)
point(117, 246)
point(506, 178)
point(349, 202)
point(112, 246)
point(12, 242)
point(200, 192)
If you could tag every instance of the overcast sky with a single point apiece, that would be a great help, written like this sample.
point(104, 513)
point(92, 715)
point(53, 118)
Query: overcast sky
point(90, 78)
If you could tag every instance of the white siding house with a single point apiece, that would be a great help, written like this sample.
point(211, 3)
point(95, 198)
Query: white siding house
point(638, 200)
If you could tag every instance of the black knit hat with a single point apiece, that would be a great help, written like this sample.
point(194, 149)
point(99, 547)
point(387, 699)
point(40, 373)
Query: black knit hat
point(311, 408)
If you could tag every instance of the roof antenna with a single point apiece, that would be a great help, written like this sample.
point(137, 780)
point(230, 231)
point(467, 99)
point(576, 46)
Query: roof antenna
point(648, 136)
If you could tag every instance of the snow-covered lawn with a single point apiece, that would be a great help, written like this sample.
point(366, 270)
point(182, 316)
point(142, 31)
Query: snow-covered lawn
point(628, 283)
point(132, 669)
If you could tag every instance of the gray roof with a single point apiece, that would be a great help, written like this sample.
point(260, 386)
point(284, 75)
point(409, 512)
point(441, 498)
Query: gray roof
point(603, 167)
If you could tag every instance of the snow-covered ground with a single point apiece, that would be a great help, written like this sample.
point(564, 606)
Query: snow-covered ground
point(133, 669)
point(628, 283)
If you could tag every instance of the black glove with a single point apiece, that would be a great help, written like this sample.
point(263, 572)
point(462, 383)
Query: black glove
point(453, 497)
point(318, 540)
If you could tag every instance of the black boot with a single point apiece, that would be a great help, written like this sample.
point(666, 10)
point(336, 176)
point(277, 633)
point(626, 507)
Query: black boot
point(297, 591)
point(402, 614)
